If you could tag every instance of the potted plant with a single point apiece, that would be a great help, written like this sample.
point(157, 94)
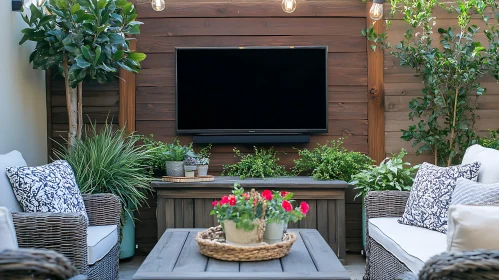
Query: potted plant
point(157, 155)
point(264, 163)
point(392, 174)
point(279, 212)
point(174, 157)
point(204, 160)
point(109, 160)
point(190, 163)
point(241, 215)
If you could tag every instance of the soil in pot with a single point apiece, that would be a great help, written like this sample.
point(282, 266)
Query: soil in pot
point(175, 168)
point(237, 236)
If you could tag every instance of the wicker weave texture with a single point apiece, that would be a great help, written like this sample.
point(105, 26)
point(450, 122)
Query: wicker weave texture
point(35, 264)
point(209, 245)
point(66, 233)
point(107, 267)
point(382, 265)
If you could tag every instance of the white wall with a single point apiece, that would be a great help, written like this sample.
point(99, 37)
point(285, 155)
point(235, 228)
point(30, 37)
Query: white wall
point(23, 118)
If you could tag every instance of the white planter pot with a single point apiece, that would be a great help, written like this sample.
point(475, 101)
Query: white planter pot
point(274, 232)
point(202, 170)
point(175, 168)
point(240, 236)
point(189, 173)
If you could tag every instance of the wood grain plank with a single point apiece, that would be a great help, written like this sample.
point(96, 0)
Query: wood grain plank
point(262, 266)
point(222, 266)
point(332, 223)
point(252, 26)
point(321, 252)
point(190, 259)
point(338, 8)
point(165, 254)
point(155, 44)
point(298, 259)
point(188, 212)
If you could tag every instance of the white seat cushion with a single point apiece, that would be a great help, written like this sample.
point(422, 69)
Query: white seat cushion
point(489, 158)
point(412, 245)
point(8, 239)
point(100, 240)
point(7, 197)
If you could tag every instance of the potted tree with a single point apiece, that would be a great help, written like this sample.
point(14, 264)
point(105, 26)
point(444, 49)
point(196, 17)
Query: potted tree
point(279, 213)
point(82, 40)
point(109, 160)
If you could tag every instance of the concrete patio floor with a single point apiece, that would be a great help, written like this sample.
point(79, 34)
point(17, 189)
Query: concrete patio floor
point(355, 266)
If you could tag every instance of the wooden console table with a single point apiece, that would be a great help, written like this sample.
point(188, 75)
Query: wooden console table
point(188, 205)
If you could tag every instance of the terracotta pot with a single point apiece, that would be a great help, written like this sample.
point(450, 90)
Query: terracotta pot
point(202, 170)
point(274, 232)
point(240, 236)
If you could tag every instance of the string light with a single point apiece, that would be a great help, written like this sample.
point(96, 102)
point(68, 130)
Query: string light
point(376, 11)
point(288, 6)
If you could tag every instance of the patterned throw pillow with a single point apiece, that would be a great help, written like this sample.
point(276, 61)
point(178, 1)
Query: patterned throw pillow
point(431, 193)
point(473, 193)
point(47, 188)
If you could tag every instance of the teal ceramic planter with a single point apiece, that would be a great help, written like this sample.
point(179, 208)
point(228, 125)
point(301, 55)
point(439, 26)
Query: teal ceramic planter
point(127, 246)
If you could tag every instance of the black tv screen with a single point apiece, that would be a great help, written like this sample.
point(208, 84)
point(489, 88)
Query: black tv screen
point(251, 90)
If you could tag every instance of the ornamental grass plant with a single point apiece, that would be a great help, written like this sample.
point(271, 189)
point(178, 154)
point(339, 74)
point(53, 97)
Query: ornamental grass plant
point(108, 160)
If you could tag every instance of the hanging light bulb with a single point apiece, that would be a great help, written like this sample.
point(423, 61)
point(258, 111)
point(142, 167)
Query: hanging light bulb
point(288, 6)
point(376, 11)
point(158, 5)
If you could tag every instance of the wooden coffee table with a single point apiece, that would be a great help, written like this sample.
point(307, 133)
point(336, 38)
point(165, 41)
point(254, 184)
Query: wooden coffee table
point(176, 256)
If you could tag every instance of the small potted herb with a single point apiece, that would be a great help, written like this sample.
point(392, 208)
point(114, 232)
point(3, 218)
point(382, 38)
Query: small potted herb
point(174, 156)
point(279, 212)
point(241, 215)
point(190, 163)
point(204, 160)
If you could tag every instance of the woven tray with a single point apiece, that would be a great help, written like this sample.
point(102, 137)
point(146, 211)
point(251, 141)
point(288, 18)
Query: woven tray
point(172, 179)
point(212, 244)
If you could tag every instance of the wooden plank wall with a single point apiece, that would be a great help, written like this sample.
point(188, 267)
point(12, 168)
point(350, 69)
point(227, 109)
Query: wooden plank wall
point(401, 86)
point(336, 24)
point(100, 103)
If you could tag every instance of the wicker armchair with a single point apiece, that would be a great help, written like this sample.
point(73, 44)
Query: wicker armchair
point(474, 265)
point(66, 233)
point(34, 264)
point(381, 264)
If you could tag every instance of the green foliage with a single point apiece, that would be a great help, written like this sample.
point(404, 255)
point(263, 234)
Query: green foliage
point(243, 210)
point(392, 174)
point(331, 162)
point(275, 212)
point(204, 155)
point(161, 152)
point(263, 163)
point(450, 70)
point(109, 161)
point(491, 141)
point(89, 36)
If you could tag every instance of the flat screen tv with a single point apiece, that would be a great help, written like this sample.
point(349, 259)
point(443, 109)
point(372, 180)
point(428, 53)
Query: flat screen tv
point(256, 90)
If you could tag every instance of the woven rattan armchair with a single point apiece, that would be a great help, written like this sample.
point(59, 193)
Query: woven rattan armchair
point(34, 264)
point(66, 233)
point(473, 265)
point(381, 264)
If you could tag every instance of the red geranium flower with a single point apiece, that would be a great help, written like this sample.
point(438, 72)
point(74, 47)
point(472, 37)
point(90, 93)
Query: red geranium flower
point(284, 194)
point(224, 200)
point(214, 203)
point(232, 200)
point(304, 207)
point(267, 195)
point(287, 206)
point(246, 196)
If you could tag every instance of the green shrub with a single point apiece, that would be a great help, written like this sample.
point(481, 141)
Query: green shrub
point(491, 141)
point(392, 174)
point(161, 152)
point(331, 162)
point(109, 160)
point(263, 163)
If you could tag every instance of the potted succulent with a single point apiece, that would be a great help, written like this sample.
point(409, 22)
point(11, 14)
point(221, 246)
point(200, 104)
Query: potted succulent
point(190, 163)
point(279, 212)
point(241, 215)
point(392, 174)
point(204, 160)
point(174, 157)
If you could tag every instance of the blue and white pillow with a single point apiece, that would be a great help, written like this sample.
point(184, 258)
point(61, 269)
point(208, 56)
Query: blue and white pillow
point(431, 194)
point(47, 188)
